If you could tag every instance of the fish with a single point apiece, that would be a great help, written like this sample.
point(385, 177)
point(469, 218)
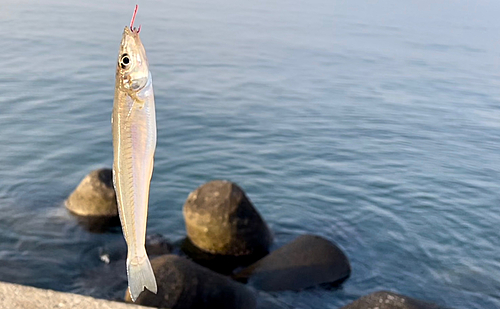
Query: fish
point(133, 123)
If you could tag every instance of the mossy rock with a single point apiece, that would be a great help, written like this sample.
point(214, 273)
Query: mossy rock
point(220, 219)
point(94, 200)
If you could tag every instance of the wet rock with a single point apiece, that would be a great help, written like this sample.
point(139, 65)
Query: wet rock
point(104, 274)
point(94, 200)
point(157, 244)
point(220, 219)
point(113, 251)
point(389, 300)
point(184, 284)
point(223, 264)
point(94, 196)
point(98, 224)
point(307, 261)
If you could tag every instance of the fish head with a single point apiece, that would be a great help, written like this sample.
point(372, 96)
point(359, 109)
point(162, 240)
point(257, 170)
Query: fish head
point(132, 67)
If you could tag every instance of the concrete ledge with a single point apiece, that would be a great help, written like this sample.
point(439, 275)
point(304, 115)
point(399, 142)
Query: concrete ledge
point(15, 296)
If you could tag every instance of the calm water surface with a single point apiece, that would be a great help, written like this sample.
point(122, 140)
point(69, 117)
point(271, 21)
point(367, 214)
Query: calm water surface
point(375, 124)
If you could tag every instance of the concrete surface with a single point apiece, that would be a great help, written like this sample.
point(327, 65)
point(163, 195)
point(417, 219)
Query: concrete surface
point(15, 296)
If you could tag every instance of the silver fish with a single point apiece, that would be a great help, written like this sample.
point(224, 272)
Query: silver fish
point(134, 142)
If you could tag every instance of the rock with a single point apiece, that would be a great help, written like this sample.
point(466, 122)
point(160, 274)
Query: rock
point(389, 300)
point(98, 224)
point(114, 251)
point(156, 244)
point(220, 219)
point(104, 274)
point(95, 195)
point(94, 200)
point(305, 262)
point(184, 284)
point(223, 264)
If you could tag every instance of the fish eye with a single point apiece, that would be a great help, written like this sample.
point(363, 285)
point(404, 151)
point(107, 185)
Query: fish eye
point(124, 61)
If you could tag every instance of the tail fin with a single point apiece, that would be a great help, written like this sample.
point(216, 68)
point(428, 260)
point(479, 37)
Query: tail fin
point(140, 275)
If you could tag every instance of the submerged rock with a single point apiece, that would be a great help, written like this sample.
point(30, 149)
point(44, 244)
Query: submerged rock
point(105, 273)
point(307, 261)
point(184, 284)
point(389, 300)
point(94, 200)
point(220, 219)
point(157, 244)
